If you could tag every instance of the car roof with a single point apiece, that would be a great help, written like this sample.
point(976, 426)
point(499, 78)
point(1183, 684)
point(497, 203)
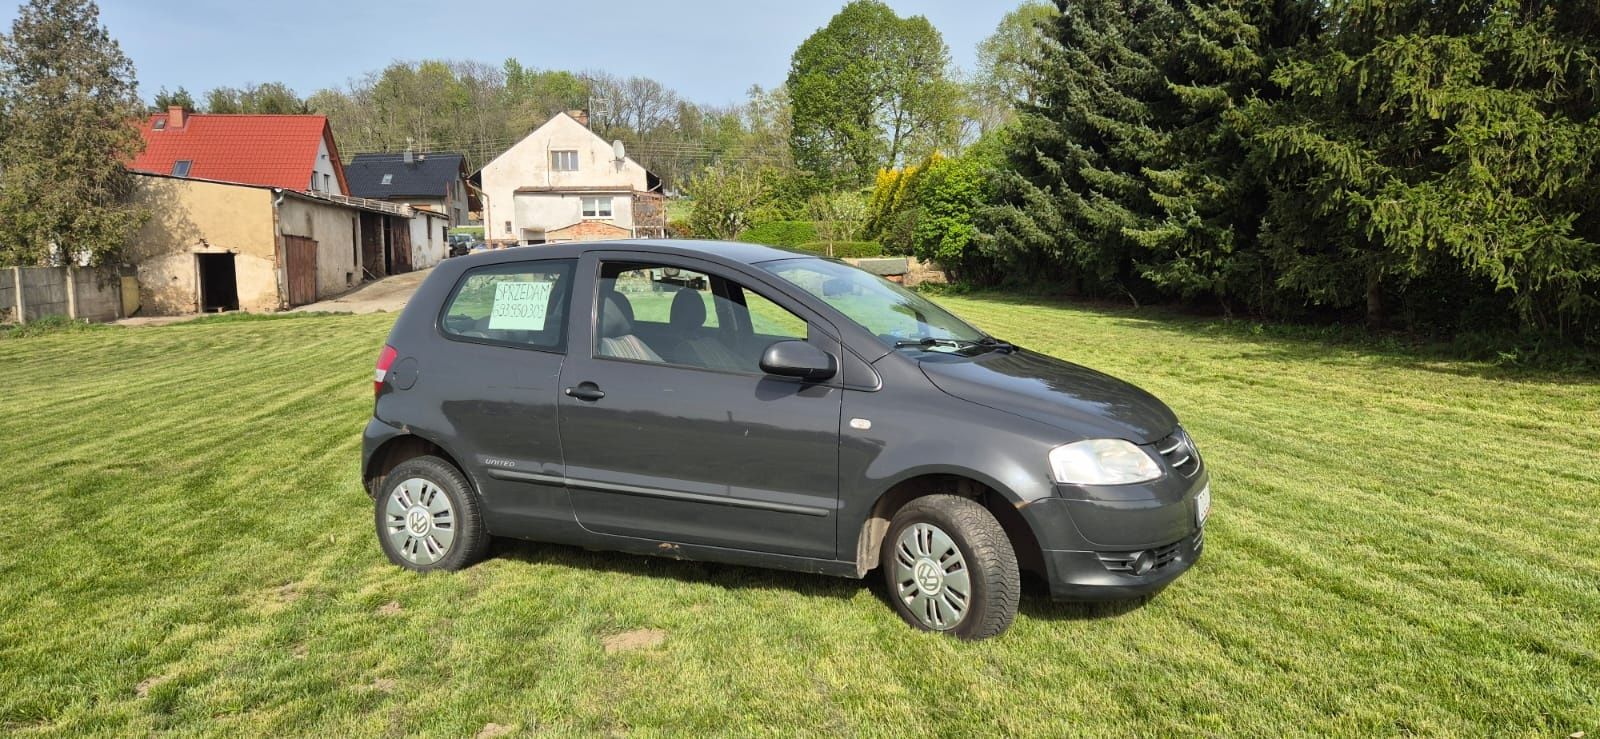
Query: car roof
point(732, 251)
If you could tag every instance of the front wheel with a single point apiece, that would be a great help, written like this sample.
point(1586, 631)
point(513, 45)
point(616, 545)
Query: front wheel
point(427, 517)
point(950, 568)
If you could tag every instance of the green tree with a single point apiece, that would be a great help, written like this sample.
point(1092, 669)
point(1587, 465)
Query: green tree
point(67, 98)
point(534, 95)
point(1129, 172)
point(868, 90)
point(949, 196)
point(1422, 139)
point(178, 98)
point(837, 216)
point(266, 98)
point(1077, 154)
point(726, 200)
point(1006, 63)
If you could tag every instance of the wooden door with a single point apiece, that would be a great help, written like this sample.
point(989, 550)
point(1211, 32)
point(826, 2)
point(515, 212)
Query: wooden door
point(302, 263)
point(372, 259)
point(400, 245)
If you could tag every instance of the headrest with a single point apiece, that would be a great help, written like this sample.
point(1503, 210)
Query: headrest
point(615, 315)
point(609, 288)
point(688, 310)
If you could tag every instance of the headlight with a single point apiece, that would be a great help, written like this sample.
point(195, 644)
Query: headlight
point(1102, 462)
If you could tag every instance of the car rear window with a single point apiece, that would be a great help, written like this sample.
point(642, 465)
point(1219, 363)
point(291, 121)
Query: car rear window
point(520, 304)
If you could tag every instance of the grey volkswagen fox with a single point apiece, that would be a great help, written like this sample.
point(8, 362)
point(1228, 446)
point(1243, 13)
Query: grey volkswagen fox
point(744, 404)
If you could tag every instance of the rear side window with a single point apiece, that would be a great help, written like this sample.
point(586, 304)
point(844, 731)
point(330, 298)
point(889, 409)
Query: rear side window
point(522, 304)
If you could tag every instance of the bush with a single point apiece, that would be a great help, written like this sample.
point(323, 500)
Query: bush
point(788, 234)
point(844, 249)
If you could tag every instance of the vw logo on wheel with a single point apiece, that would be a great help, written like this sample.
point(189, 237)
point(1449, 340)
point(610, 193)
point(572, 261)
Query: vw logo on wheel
point(929, 577)
point(417, 521)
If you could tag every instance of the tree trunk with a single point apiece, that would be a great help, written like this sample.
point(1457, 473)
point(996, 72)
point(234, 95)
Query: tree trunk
point(1374, 297)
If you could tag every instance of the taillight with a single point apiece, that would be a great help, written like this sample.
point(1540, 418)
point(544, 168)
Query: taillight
point(385, 358)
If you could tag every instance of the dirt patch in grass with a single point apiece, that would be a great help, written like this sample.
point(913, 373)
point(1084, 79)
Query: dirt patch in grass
point(148, 684)
point(493, 730)
point(389, 609)
point(629, 641)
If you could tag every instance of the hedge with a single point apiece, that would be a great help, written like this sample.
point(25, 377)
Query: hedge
point(844, 249)
point(788, 234)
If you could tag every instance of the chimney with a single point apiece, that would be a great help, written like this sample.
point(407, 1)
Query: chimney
point(175, 117)
point(581, 115)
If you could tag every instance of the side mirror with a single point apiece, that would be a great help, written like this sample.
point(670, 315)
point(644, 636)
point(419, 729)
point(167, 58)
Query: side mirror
point(798, 359)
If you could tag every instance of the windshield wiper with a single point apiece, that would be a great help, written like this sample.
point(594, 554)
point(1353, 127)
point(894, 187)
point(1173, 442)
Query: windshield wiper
point(928, 341)
point(1001, 344)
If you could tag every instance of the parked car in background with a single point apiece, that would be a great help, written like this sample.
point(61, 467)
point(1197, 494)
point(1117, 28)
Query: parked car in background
point(745, 404)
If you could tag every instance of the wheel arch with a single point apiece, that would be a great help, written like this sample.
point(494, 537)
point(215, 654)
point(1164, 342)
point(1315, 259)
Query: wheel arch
point(399, 448)
point(1001, 503)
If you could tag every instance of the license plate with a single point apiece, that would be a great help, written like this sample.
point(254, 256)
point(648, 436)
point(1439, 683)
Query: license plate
point(1202, 506)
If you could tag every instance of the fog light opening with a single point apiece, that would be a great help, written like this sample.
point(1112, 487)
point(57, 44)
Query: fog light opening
point(1143, 563)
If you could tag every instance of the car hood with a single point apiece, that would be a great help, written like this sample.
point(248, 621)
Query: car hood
point(1067, 396)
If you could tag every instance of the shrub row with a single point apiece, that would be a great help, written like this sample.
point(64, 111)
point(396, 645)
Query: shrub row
point(844, 249)
point(788, 234)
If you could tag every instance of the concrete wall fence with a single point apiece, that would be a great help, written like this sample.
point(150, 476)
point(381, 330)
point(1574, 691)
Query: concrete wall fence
point(31, 293)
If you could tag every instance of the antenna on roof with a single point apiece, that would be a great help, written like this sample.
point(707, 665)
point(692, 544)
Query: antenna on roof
point(618, 150)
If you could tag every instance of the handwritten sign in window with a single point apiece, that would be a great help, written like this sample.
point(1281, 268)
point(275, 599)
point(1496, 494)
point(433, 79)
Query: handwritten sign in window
point(520, 306)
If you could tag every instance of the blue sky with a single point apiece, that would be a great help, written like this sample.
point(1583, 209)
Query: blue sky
point(710, 51)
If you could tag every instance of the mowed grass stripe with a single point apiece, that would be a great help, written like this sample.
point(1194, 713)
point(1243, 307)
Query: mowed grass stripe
point(1393, 552)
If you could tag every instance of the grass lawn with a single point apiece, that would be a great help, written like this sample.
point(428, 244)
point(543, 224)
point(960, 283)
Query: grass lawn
point(1399, 546)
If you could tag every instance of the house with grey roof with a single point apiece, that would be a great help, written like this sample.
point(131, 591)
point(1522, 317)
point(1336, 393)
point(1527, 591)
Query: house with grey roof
point(432, 181)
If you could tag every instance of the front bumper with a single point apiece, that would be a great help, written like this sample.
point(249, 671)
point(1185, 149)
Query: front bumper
point(1100, 575)
point(1092, 539)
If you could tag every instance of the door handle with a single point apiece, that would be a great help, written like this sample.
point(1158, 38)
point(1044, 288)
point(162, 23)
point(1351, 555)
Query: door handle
point(585, 391)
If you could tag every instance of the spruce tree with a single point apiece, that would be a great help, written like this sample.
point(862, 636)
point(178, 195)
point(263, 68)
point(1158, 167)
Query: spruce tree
point(68, 107)
point(1423, 139)
point(1132, 175)
point(1075, 153)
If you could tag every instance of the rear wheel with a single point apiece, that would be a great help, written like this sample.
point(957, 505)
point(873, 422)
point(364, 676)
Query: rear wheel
point(950, 568)
point(427, 518)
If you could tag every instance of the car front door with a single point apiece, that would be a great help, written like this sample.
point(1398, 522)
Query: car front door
point(669, 429)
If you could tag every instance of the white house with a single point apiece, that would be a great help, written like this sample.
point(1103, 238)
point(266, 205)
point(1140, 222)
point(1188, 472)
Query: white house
point(564, 183)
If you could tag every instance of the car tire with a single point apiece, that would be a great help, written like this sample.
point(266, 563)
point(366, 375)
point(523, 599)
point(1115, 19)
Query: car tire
point(950, 568)
point(427, 517)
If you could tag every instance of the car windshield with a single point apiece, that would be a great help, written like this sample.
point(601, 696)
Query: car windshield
point(899, 317)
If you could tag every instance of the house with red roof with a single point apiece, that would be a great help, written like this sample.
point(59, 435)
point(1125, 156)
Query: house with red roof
point(250, 212)
point(291, 152)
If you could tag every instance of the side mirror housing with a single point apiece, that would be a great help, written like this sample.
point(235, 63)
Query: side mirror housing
point(798, 359)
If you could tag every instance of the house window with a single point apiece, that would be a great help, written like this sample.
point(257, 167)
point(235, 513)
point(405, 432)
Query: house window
point(597, 207)
point(313, 187)
point(564, 161)
point(161, 124)
point(327, 183)
point(388, 178)
point(508, 226)
point(180, 168)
